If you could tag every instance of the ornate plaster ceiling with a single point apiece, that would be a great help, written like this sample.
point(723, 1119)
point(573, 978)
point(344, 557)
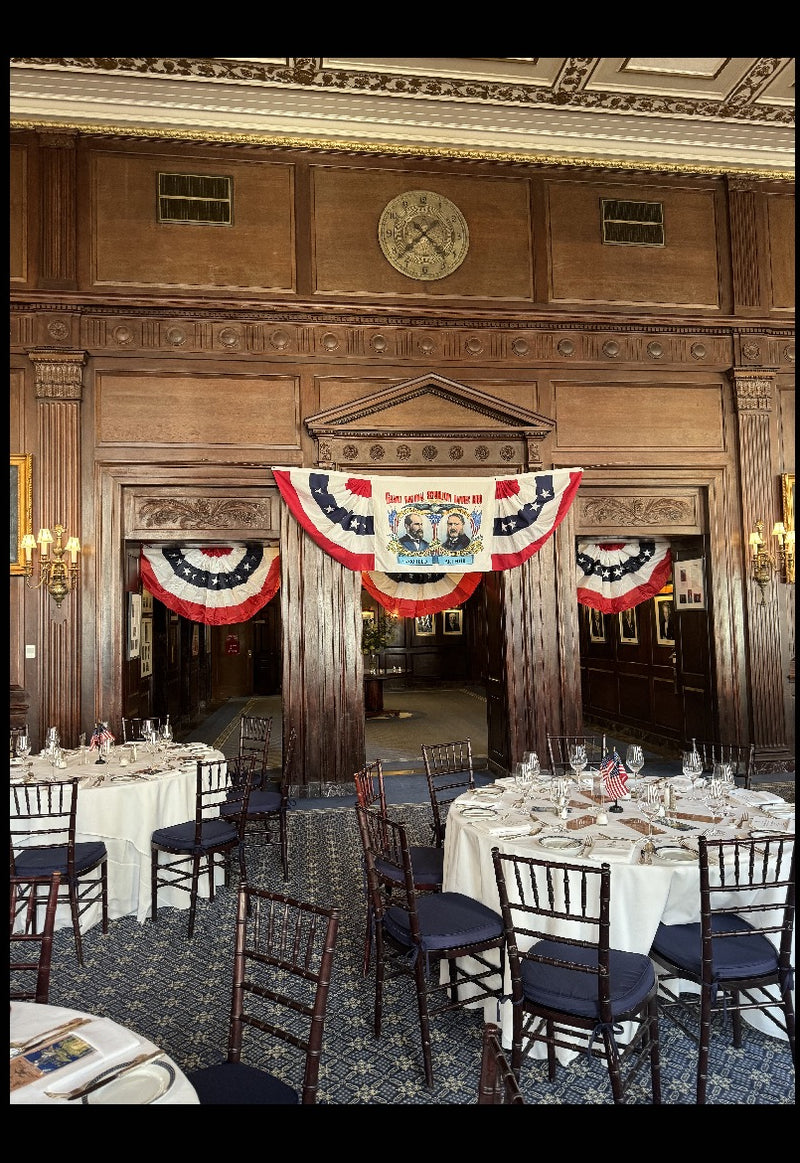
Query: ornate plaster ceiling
point(706, 114)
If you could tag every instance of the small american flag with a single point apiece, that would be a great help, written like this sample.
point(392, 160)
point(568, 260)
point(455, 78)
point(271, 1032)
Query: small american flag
point(615, 777)
point(100, 735)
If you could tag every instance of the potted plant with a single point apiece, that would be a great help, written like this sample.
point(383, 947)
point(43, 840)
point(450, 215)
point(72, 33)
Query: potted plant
point(377, 632)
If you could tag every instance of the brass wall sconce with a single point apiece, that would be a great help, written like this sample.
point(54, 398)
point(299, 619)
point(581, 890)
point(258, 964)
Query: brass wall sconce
point(785, 538)
point(57, 575)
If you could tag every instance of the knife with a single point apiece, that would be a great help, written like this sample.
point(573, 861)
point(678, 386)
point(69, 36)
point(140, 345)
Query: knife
point(42, 1039)
point(102, 1080)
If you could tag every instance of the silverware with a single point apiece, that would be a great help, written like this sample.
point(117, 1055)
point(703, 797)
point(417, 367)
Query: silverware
point(47, 1036)
point(104, 1079)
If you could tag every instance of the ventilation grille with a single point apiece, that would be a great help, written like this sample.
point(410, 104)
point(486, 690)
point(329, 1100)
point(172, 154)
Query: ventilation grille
point(632, 223)
point(195, 199)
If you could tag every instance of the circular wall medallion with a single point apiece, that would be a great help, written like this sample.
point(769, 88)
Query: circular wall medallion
point(423, 235)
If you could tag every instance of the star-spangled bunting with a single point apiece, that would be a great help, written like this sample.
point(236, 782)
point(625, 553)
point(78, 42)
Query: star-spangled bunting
point(616, 575)
point(614, 776)
point(361, 521)
point(411, 595)
point(214, 585)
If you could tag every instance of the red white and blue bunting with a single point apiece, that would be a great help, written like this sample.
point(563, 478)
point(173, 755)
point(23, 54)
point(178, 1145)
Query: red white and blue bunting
point(216, 585)
point(411, 595)
point(616, 575)
point(428, 525)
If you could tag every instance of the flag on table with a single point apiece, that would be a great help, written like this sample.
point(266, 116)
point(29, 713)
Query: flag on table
point(614, 775)
point(100, 735)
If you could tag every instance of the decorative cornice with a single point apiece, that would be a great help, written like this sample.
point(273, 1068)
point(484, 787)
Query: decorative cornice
point(58, 374)
point(203, 513)
point(624, 513)
point(753, 391)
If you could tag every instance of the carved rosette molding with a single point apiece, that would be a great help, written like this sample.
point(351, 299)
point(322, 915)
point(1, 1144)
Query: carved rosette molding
point(203, 513)
point(623, 513)
point(502, 452)
point(753, 392)
point(59, 374)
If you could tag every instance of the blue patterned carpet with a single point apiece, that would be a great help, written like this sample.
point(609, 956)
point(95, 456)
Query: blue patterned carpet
point(177, 992)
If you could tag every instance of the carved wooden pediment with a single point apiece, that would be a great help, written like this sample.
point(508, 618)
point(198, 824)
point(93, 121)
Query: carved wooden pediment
point(429, 422)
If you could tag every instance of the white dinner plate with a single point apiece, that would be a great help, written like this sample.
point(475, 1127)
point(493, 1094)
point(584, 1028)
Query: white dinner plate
point(478, 811)
point(488, 793)
point(137, 1088)
point(567, 844)
point(778, 809)
point(667, 855)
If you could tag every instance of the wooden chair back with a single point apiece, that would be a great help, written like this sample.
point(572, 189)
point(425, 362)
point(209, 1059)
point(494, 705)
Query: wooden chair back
point(741, 757)
point(558, 749)
point(498, 1084)
point(449, 772)
point(31, 939)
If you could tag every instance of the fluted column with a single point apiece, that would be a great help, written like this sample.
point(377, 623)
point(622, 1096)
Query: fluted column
point(753, 393)
point(59, 392)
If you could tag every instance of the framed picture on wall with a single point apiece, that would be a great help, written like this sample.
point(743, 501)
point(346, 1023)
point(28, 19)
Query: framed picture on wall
point(146, 648)
point(597, 626)
point(628, 627)
point(452, 622)
point(425, 626)
point(787, 498)
point(20, 505)
point(134, 625)
point(147, 602)
point(665, 619)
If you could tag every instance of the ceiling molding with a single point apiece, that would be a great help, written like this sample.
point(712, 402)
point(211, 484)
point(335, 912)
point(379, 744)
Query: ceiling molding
point(707, 115)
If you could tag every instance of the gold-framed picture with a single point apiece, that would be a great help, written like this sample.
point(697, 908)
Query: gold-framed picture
point(665, 619)
point(147, 602)
point(20, 507)
point(146, 648)
point(452, 622)
point(787, 500)
point(628, 627)
point(597, 625)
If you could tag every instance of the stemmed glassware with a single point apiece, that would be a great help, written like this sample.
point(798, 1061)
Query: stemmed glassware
point(692, 767)
point(634, 759)
point(578, 760)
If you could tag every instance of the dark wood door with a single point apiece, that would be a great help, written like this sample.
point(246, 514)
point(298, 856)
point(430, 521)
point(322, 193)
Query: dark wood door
point(267, 649)
point(232, 654)
point(496, 700)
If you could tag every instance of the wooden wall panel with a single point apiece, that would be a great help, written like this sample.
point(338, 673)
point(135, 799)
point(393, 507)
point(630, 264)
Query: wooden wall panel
point(18, 213)
point(346, 208)
point(683, 273)
point(131, 248)
point(167, 407)
point(621, 416)
point(781, 228)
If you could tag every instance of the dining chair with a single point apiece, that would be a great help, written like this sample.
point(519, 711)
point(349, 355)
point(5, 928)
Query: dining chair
point(739, 953)
point(282, 965)
point(266, 820)
point(498, 1085)
point(255, 732)
point(32, 950)
point(449, 772)
point(559, 747)
point(44, 840)
point(208, 837)
point(427, 861)
point(570, 989)
point(741, 757)
point(416, 935)
point(132, 727)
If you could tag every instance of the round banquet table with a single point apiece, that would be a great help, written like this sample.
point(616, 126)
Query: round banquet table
point(642, 895)
point(159, 1083)
point(123, 805)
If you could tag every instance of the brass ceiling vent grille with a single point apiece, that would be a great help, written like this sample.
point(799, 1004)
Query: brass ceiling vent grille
point(632, 223)
point(196, 199)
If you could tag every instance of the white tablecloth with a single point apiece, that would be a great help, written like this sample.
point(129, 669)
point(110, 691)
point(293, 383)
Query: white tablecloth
point(123, 811)
point(114, 1045)
point(642, 895)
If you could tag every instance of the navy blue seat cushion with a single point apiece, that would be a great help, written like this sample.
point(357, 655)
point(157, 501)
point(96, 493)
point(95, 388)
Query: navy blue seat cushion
point(232, 1083)
point(181, 836)
point(446, 920)
point(632, 977)
point(43, 861)
point(752, 955)
point(427, 864)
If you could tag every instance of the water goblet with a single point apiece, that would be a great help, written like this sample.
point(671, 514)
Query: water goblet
point(692, 767)
point(634, 758)
point(578, 760)
point(23, 746)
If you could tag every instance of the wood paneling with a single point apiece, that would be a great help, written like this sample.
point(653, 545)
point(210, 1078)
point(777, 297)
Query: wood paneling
point(18, 213)
point(781, 232)
point(621, 416)
point(204, 408)
point(347, 205)
point(133, 249)
point(683, 273)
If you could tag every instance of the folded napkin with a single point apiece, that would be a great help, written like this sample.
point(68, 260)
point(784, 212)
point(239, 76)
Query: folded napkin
point(613, 850)
point(755, 798)
point(511, 830)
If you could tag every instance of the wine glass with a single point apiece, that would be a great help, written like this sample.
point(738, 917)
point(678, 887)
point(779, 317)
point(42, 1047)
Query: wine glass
point(692, 767)
point(23, 746)
point(578, 760)
point(634, 759)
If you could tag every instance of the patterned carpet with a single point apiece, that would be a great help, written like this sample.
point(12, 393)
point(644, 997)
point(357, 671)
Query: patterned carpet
point(177, 992)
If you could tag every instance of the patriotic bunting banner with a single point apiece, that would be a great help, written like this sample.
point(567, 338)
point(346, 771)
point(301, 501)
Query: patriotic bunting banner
point(616, 575)
point(214, 585)
point(431, 525)
point(409, 596)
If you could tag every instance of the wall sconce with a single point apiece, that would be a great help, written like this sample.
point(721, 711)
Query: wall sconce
point(762, 563)
point(785, 550)
point(57, 575)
